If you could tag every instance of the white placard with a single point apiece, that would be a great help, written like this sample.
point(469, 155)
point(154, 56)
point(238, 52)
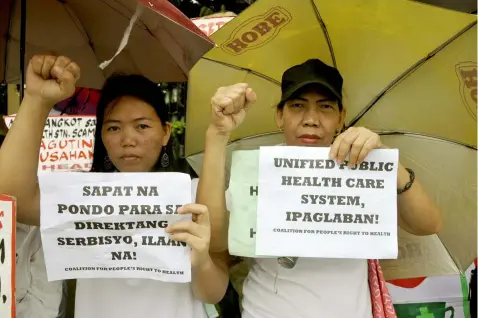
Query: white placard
point(310, 206)
point(242, 191)
point(111, 225)
point(67, 142)
point(7, 259)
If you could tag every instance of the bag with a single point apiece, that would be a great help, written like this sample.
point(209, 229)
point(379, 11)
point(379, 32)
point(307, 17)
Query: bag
point(382, 305)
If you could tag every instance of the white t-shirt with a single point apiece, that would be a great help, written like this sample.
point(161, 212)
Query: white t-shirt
point(314, 288)
point(131, 298)
point(35, 296)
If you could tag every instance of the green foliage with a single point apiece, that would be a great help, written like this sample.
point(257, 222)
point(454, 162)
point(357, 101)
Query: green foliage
point(205, 11)
point(177, 128)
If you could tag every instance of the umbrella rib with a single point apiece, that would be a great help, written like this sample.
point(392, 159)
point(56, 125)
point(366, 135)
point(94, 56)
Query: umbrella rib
point(409, 71)
point(326, 33)
point(145, 27)
point(185, 72)
point(404, 133)
point(120, 13)
point(167, 51)
point(8, 35)
point(78, 27)
point(270, 79)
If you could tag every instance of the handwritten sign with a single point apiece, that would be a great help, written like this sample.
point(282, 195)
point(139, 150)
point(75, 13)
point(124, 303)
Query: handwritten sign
point(7, 259)
point(210, 25)
point(67, 142)
point(111, 225)
point(311, 206)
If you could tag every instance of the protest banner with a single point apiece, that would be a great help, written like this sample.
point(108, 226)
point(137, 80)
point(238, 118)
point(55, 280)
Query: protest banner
point(311, 206)
point(7, 258)
point(111, 225)
point(242, 201)
point(210, 25)
point(67, 142)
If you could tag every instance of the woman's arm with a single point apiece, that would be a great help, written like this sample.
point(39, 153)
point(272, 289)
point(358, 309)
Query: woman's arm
point(49, 79)
point(417, 214)
point(212, 184)
point(229, 106)
point(19, 159)
point(209, 270)
point(210, 280)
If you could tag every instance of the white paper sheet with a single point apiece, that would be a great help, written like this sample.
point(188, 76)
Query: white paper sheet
point(318, 208)
point(124, 235)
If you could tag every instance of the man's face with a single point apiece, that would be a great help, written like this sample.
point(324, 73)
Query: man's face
point(310, 119)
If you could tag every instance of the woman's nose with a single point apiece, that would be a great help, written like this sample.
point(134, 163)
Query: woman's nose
point(311, 117)
point(128, 138)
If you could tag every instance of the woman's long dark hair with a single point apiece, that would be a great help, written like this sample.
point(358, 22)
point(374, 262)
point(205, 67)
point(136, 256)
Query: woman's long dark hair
point(138, 86)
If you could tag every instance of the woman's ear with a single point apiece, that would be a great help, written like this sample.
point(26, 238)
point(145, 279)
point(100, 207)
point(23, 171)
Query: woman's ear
point(280, 118)
point(167, 133)
point(343, 114)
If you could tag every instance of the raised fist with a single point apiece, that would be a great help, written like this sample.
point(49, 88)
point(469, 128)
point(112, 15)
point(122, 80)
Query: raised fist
point(51, 79)
point(229, 106)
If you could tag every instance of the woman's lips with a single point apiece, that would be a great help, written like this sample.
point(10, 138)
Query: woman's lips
point(309, 139)
point(130, 158)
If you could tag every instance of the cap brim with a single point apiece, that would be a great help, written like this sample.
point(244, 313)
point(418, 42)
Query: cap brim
point(287, 95)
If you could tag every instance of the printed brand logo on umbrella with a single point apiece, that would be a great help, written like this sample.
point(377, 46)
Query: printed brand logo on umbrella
point(466, 72)
point(257, 31)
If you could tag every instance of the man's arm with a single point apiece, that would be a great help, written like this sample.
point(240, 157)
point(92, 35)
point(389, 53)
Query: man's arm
point(417, 214)
point(210, 281)
point(212, 186)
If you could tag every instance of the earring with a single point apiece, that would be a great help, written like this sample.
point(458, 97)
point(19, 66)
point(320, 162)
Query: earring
point(107, 164)
point(164, 158)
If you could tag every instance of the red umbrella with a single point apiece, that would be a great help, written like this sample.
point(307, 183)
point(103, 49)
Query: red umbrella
point(162, 43)
point(82, 102)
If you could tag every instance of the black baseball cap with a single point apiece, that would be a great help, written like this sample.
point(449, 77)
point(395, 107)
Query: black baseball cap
point(313, 71)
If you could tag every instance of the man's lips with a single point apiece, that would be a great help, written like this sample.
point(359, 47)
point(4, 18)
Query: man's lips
point(309, 138)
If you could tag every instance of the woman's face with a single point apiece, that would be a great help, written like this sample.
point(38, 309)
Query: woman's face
point(311, 119)
point(133, 135)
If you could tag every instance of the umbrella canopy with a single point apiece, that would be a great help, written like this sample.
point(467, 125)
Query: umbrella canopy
point(409, 73)
point(462, 5)
point(163, 44)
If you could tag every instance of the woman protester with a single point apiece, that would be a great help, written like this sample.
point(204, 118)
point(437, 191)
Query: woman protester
point(132, 133)
point(310, 114)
